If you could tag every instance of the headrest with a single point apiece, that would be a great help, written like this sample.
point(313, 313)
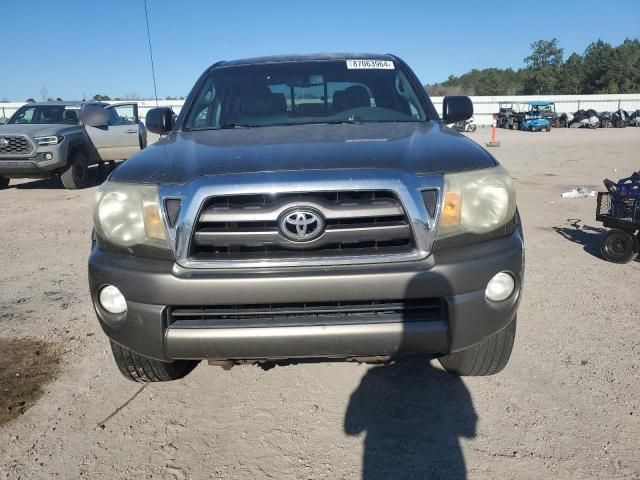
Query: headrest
point(70, 115)
point(357, 96)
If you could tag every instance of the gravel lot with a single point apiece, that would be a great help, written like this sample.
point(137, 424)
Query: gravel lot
point(565, 407)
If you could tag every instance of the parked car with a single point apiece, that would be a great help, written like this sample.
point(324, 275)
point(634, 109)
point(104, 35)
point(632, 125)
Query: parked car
point(307, 207)
point(64, 138)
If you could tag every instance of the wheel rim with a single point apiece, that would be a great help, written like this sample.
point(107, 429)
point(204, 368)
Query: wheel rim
point(618, 246)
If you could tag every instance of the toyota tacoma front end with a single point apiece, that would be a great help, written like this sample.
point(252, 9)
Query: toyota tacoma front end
point(307, 207)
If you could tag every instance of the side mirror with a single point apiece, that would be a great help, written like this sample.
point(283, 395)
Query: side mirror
point(160, 120)
point(456, 109)
point(94, 117)
point(3, 120)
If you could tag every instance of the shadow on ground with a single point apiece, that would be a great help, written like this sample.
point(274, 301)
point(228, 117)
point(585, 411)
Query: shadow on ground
point(26, 366)
point(97, 175)
point(585, 235)
point(413, 416)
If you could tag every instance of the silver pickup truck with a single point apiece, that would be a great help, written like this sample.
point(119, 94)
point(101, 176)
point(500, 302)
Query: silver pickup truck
point(65, 138)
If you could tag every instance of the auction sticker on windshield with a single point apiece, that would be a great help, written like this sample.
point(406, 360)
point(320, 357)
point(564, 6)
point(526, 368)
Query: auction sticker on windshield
point(370, 64)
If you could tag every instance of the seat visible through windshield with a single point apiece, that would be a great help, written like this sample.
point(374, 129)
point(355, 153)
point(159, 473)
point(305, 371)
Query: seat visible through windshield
point(290, 93)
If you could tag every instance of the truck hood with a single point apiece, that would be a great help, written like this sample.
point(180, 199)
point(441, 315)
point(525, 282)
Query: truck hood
point(416, 148)
point(37, 130)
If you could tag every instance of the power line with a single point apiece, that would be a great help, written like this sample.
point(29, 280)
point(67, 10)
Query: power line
point(153, 69)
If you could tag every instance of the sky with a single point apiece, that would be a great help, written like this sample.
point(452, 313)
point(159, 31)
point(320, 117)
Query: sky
point(78, 48)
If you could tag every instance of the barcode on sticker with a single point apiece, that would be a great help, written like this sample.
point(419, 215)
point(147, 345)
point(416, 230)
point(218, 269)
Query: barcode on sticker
point(370, 64)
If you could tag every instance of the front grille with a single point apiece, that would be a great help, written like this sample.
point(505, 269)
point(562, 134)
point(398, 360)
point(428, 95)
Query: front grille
point(15, 145)
point(246, 226)
point(172, 207)
point(320, 313)
point(430, 198)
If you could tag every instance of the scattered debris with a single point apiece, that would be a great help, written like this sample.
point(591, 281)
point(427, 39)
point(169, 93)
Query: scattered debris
point(580, 192)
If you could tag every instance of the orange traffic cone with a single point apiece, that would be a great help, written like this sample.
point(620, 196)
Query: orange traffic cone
point(493, 142)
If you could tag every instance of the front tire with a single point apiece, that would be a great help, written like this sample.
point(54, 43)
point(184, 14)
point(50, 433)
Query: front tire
point(618, 246)
point(77, 175)
point(4, 182)
point(137, 368)
point(486, 358)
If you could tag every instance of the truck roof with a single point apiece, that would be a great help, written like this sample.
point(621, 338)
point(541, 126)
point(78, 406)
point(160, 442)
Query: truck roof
point(304, 58)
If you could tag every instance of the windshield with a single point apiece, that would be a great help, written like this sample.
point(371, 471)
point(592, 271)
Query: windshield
point(543, 108)
point(46, 114)
point(293, 93)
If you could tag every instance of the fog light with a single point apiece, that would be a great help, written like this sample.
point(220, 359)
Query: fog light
point(48, 156)
point(500, 287)
point(112, 300)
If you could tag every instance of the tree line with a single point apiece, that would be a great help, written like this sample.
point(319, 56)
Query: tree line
point(602, 68)
point(98, 97)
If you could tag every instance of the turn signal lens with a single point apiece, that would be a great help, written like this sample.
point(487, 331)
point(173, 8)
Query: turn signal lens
point(451, 210)
point(152, 222)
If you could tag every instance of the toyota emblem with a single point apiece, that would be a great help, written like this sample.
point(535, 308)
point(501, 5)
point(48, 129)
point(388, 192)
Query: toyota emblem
point(4, 143)
point(301, 224)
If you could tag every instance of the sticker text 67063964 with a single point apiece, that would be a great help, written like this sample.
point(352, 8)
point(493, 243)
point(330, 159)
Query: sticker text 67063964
point(370, 64)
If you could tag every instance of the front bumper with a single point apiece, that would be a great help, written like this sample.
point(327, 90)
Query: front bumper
point(35, 166)
point(458, 276)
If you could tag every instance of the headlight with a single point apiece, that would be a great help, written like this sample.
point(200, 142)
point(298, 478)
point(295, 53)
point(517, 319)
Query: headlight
point(476, 202)
point(49, 140)
point(128, 215)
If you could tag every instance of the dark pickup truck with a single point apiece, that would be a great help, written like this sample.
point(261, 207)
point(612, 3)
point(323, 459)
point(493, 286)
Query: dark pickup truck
point(307, 208)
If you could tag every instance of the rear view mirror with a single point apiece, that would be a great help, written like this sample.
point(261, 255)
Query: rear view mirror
point(160, 120)
point(456, 109)
point(94, 116)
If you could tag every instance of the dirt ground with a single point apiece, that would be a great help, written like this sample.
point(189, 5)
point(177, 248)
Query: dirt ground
point(566, 406)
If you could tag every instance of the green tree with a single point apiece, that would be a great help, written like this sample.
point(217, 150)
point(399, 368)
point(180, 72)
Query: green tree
point(542, 65)
point(570, 77)
point(597, 60)
point(101, 98)
point(611, 69)
point(602, 69)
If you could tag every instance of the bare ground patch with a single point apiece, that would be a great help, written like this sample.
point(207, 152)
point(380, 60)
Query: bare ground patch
point(26, 367)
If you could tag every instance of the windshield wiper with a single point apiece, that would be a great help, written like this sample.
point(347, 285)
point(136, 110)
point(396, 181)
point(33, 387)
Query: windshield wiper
point(224, 126)
point(350, 120)
point(237, 125)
